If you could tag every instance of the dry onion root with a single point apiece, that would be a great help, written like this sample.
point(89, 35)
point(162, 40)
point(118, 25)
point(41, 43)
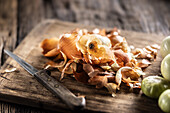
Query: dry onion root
point(98, 58)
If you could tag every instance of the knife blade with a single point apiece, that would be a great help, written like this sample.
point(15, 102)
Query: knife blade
point(54, 86)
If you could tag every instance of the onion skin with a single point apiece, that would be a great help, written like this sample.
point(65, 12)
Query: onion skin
point(99, 57)
point(68, 47)
point(122, 56)
point(115, 39)
point(49, 44)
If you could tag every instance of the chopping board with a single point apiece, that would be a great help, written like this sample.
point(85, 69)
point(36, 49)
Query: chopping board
point(22, 88)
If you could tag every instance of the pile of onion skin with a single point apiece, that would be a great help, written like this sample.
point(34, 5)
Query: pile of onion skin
point(98, 57)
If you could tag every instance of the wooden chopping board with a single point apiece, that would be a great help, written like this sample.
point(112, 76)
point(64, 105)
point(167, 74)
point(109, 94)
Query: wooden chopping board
point(21, 88)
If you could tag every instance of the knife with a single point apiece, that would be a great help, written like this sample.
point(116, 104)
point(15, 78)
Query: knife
point(55, 87)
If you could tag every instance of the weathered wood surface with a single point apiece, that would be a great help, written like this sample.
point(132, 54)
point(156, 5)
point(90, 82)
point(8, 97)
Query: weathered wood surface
point(18, 17)
point(149, 16)
point(19, 87)
point(8, 26)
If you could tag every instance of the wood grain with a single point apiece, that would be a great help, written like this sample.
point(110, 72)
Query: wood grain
point(8, 26)
point(21, 88)
point(31, 12)
point(18, 17)
point(144, 16)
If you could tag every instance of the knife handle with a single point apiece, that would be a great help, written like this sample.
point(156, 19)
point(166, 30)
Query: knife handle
point(56, 88)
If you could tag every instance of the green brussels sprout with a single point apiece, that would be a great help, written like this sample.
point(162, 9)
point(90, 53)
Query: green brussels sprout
point(164, 101)
point(153, 86)
point(165, 47)
point(165, 67)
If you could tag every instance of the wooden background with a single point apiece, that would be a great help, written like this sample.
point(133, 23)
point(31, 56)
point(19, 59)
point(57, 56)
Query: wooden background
point(18, 17)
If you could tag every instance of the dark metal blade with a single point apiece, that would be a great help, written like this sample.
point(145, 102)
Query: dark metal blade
point(24, 64)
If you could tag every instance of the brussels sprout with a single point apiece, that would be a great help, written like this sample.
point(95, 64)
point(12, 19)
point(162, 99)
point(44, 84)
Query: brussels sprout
point(165, 47)
point(165, 67)
point(153, 86)
point(164, 101)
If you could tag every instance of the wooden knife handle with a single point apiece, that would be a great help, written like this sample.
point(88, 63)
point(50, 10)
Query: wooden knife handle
point(74, 103)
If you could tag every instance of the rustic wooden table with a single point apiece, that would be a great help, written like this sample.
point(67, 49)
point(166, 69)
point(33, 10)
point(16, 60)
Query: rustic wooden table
point(18, 17)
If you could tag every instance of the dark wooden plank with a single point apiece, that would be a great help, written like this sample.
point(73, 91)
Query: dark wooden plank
point(150, 16)
point(20, 86)
point(144, 16)
point(8, 26)
point(30, 13)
